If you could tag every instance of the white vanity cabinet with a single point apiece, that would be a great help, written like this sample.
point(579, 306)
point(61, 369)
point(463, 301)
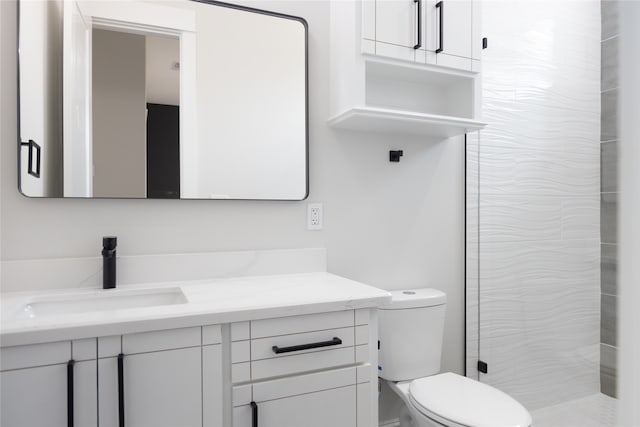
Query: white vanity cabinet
point(158, 378)
point(43, 385)
point(161, 378)
point(305, 370)
point(426, 32)
point(311, 370)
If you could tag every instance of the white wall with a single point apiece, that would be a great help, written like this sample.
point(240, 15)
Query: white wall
point(629, 232)
point(391, 225)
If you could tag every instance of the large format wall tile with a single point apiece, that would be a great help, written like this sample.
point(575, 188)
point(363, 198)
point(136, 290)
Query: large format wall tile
point(609, 121)
point(609, 166)
point(533, 300)
point(609, 64)
point(609, 18)
point(522, 171)
point(608, 268)
point(608, 370)
point(608, 325)
point(608, 218)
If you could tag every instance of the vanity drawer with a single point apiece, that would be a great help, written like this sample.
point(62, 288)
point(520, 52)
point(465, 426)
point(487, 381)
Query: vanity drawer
point(299, 344)
point(298, 324)
point(295, 344)
point(290, 365)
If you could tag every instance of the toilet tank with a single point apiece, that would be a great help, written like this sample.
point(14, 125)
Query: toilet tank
point(410, 329)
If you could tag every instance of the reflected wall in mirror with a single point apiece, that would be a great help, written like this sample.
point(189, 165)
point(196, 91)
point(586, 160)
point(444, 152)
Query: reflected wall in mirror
point(162, 99)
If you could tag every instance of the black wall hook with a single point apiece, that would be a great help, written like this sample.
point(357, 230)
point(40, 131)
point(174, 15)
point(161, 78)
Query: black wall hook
point(394, 155)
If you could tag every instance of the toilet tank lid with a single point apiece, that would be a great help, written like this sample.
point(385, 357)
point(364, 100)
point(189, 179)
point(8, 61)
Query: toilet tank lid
point(415, 298)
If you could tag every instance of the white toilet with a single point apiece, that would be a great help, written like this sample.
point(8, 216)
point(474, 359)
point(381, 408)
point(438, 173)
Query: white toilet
point(410, 329)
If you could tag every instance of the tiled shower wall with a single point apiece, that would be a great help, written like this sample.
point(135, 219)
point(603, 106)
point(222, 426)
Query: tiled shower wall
point(609, 197)
point(533, 204)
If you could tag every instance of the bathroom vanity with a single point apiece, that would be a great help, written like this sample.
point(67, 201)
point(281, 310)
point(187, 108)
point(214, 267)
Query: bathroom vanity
point(284, 350)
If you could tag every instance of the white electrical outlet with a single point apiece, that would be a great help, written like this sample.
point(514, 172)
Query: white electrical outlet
point(314, 216)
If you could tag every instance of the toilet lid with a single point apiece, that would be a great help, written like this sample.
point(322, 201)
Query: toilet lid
point(466, 402)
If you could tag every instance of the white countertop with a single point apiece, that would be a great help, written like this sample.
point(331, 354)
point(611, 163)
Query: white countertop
point(208, 302)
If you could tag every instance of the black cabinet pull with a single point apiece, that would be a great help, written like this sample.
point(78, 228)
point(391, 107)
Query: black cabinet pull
point(334, 341)
point(419, 14)
point(121, 390)
point(70, 392)
point(254, 414)
point(440, 7)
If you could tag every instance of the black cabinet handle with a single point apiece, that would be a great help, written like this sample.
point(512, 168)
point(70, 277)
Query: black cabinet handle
point(440, 7)
point(419, 14)
point(254, 414)
point(121, 390)
point(334, 341)
point(70, 392)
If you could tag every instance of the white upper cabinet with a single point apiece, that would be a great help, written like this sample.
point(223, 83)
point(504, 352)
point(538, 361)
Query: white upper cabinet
point(424, 31)
point(405, 66)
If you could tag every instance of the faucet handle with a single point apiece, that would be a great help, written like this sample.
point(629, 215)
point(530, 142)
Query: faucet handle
point(109, 242)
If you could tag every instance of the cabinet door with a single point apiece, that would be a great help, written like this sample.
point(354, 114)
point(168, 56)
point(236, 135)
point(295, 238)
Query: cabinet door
point(449, 28)
point(212, 389)
point(335, 408)
point(34, 397)
point(161, 388)
point(34, 383)
point(85, 393)
point(396, 29)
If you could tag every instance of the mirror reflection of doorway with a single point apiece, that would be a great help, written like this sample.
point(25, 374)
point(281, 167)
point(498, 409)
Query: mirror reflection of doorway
point(136, 131)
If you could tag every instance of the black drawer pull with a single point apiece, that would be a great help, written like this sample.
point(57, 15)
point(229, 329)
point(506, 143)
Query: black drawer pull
point(334, 341)
point(70, 392)
point(121, 390)
point(254, 414)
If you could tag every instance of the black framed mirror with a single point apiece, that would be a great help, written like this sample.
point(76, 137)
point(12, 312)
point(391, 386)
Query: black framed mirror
point(176, 99)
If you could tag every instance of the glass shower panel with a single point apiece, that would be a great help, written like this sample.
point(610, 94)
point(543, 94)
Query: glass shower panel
point(533, 203)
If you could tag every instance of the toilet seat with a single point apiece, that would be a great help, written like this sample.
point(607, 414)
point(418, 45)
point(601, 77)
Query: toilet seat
point(454, 400)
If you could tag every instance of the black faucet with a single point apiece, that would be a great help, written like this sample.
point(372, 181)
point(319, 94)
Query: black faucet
point(109, 244)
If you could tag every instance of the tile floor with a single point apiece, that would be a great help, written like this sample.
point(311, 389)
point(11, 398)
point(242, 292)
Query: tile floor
point(597, 410)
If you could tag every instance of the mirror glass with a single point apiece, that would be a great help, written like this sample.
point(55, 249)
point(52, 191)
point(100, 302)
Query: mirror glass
point(171, 99)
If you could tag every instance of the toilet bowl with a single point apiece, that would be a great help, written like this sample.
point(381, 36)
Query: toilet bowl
point(452, 400)
point(411, 328)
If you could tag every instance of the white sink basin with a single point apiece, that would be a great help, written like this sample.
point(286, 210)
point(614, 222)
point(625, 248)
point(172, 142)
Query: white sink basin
point(106, 300)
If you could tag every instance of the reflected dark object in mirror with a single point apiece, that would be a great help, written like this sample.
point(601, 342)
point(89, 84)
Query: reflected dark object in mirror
point(33, 147)
point(163, 151)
